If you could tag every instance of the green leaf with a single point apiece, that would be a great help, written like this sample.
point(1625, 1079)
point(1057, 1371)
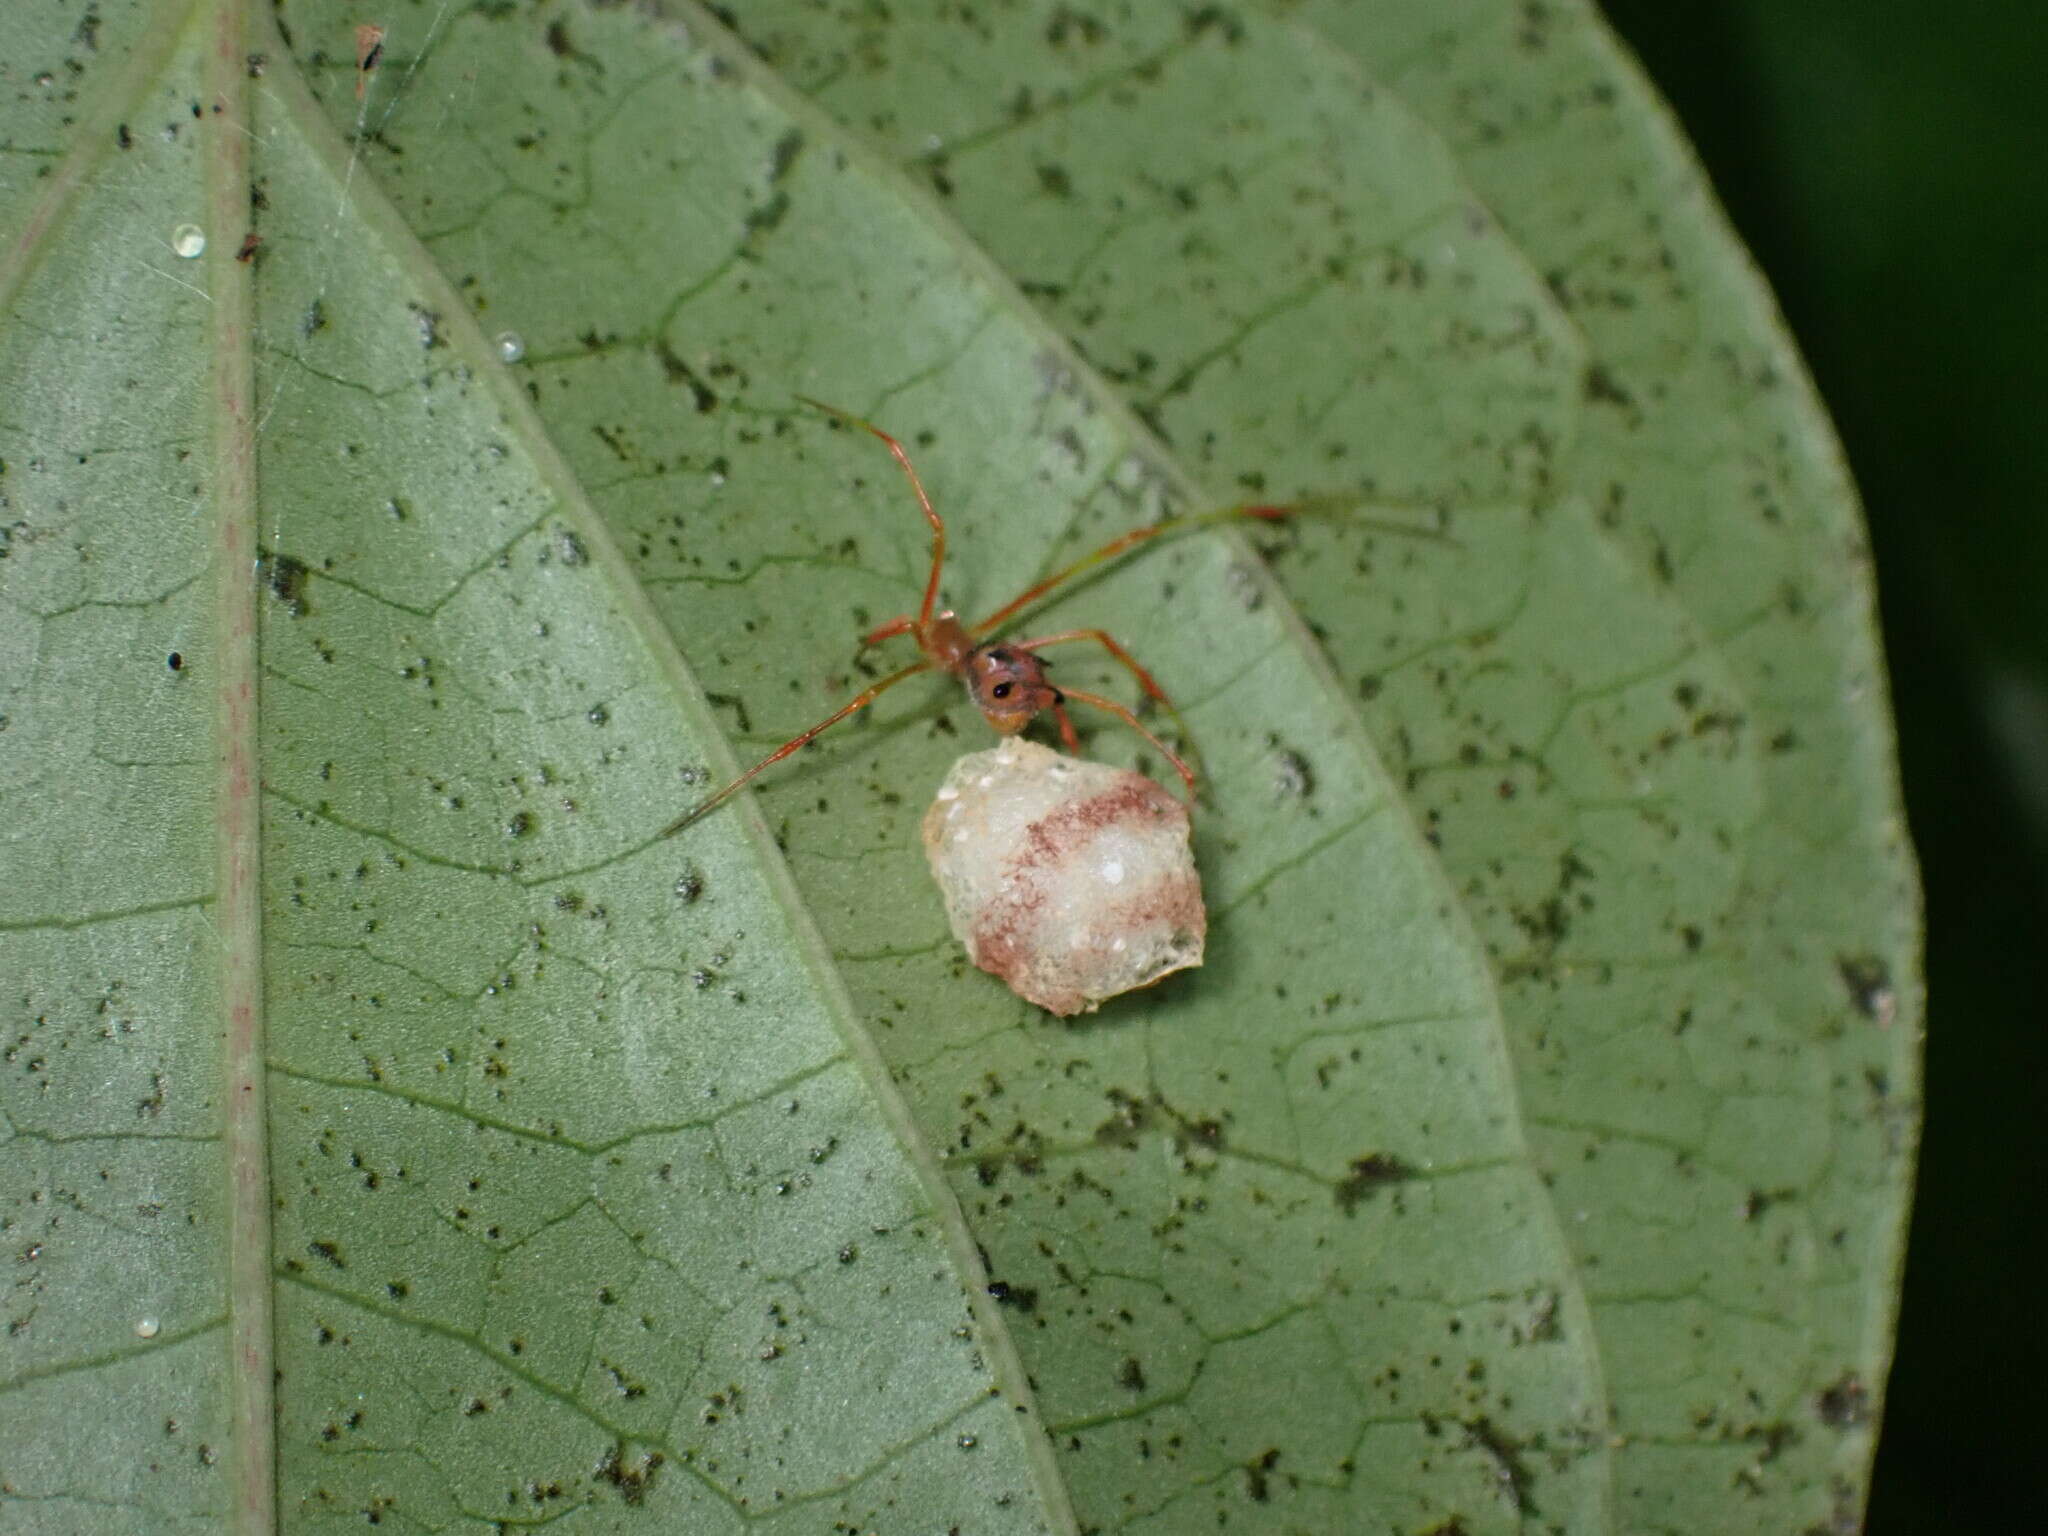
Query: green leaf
point(1531, 1150)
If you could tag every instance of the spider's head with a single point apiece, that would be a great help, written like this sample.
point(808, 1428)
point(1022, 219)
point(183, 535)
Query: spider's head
point(1008, 686)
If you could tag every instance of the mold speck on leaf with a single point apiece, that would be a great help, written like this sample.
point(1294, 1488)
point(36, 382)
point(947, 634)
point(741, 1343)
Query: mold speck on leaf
point(632, 1479)
point(1845, 1404)
point(1293, 779)
point(787, 148)
point(1368, 1174)
point(1128, 1118)
point(1509, 1467)
point(285, 577)
point(428, 324)
point(1541, 1325)
point(1257, 1481)
point(1869, 981)
point(1023, 1297)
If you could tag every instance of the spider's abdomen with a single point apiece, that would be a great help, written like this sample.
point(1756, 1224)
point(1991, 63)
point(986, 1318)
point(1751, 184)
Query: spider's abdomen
point(1008, 686)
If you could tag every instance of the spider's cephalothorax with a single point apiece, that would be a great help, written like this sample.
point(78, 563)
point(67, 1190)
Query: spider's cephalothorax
point(1006, 682)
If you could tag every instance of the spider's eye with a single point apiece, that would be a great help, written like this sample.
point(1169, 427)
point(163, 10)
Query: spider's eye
point(1001, 690)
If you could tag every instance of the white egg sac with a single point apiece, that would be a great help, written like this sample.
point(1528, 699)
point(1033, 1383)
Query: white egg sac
point(1071, 880)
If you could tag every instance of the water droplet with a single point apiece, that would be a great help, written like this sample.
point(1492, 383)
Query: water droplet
point(511, 346)
point(188, 240)
point(147, 1327)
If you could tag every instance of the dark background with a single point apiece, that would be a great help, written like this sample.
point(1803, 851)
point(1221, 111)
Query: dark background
point(1887, 163)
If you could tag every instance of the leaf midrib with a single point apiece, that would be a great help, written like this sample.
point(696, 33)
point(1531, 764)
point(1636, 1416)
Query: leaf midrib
point(238, 830)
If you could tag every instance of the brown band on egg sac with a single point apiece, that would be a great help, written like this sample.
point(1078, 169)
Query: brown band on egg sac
point(1174, 902)
point(1008, 939)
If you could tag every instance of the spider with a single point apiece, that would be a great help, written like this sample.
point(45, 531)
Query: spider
point(1005, 678)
